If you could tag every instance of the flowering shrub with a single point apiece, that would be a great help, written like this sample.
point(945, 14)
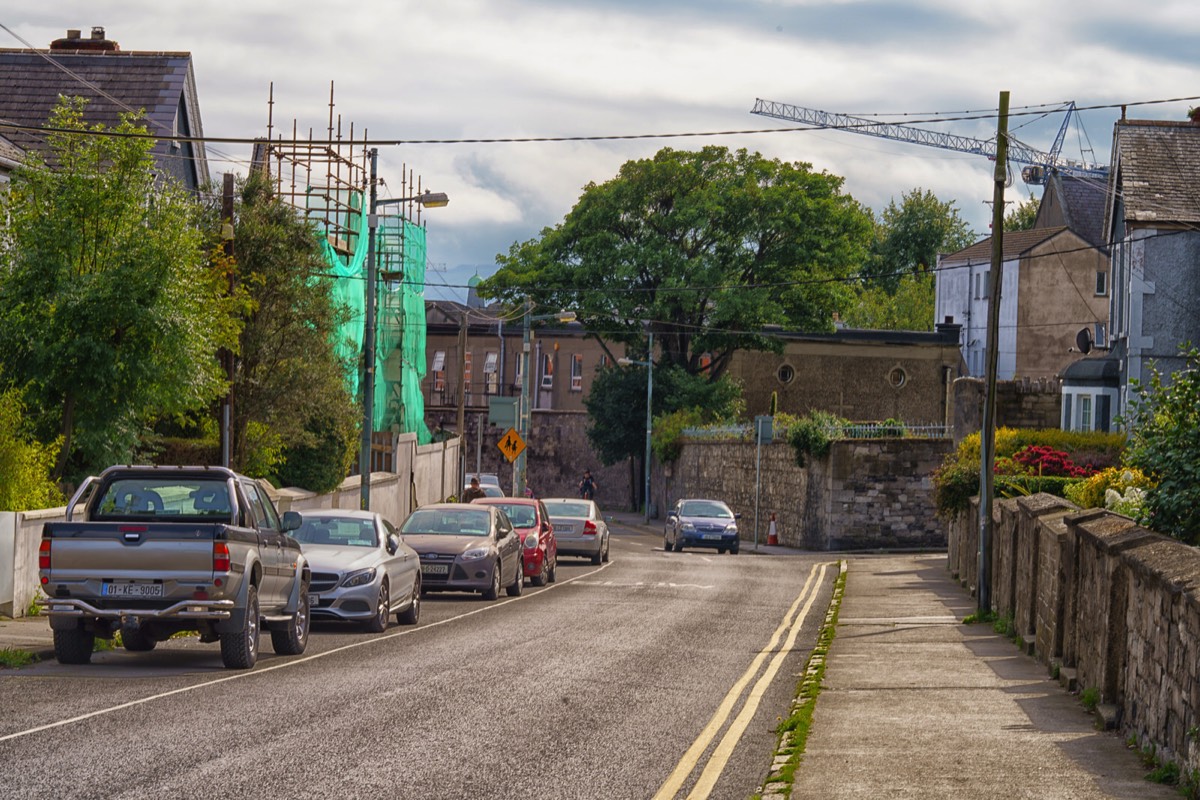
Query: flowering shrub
point(1105, 487)
point(1040, 459)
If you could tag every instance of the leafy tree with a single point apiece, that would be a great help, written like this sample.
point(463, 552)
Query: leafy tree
point(1023, 216)
point(706, 247)
point(25, 464)
point(1164, 443)
point(910, 308)
point(293, 415)
point(909, 237)
point(109, 315)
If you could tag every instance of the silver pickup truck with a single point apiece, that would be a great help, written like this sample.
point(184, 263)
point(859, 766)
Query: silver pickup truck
point(166, 549)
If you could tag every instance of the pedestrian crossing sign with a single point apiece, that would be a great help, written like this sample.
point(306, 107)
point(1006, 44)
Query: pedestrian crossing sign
point(511, 444)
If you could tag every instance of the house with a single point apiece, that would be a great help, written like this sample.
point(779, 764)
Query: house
point(10, 157)
point(1151, 225)
point(114, 81)
point(1053, 283)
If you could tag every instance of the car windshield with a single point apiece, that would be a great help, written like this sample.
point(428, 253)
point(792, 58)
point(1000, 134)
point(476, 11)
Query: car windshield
point(521, 516)
point(463, 521)
point(705, 508)
point(566, 508)
point(337, 531)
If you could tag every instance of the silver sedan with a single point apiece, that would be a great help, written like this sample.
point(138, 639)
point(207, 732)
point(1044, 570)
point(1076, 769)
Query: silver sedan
point(579, 526)
point(362, 571)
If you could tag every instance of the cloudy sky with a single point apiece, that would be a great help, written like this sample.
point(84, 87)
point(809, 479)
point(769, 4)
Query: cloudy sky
point(472, 69)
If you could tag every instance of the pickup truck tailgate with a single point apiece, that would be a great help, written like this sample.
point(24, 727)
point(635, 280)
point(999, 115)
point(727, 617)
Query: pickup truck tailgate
point(116, 551)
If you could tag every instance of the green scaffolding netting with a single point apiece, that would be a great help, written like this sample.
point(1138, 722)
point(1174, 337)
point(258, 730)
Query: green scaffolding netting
point(400, 316)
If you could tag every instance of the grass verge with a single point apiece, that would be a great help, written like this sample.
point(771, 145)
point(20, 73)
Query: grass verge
point(12, 658)
point(793, 731)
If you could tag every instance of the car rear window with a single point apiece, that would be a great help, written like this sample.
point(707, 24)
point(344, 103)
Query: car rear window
point(464, 521)
point(338, 531)
point(151, 497)
point(569, 509)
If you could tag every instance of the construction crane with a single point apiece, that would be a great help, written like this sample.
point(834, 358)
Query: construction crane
point(1039, 164)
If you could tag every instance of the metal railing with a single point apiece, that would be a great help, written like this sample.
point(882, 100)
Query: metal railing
point(856, 430)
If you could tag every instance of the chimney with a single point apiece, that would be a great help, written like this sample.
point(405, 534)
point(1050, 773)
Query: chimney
point(97, 42)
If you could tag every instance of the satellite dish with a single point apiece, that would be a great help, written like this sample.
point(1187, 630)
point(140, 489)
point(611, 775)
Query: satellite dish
point(1083, 341)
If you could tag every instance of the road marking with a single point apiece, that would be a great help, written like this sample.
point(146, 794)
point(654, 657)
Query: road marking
point(295, 662)
point(644, 585)
point(691, 758)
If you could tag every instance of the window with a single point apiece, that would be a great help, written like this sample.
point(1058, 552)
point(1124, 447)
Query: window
point(438, 370)
point(706, 364)
point(1101, 283)
point(547, 371)
point(987, 284)
point(577, 372)
point(1085, 412)
point(491, 376)
point(467, 373)
point(897, 377)
point(605, 362)
point(1101, 335)
point(785, 374)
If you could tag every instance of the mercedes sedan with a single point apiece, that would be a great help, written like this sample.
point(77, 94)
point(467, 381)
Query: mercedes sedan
point(466, 548)
point(361, 569)
point(701, 523)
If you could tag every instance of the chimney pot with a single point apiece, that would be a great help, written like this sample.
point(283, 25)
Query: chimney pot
point(98, 32)
point(73, 33)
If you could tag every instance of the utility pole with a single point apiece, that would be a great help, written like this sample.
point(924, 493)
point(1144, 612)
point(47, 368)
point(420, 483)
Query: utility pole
point(523, 406)
point(368, 373)
point(987, 434)
point(460, 423)
point(227, 359)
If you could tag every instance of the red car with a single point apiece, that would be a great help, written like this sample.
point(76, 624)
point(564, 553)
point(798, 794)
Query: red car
point(531, 522)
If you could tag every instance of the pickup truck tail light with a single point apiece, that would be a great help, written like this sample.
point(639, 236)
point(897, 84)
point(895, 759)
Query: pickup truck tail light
point(44, 554)
point(220, 557)
point(589, 528)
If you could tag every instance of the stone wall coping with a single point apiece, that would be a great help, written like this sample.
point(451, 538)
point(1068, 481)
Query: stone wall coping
point(1168, 562)
point(1110, 532)
point(1036, 505)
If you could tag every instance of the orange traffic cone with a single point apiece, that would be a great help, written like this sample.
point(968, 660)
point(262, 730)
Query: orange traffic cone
point(772, 536)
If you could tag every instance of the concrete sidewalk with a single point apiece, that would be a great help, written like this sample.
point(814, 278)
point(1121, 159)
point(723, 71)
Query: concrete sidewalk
point(915, 704)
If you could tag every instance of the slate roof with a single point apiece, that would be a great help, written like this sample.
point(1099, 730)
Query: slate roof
point(1084, 201)
point(1016, 244)
point(1158, 164)
point(162, 83)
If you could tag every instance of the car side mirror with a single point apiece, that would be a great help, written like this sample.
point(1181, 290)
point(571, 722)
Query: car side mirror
point(671, 515)
point(737, 516)
point(393, 544)
point(292, 520)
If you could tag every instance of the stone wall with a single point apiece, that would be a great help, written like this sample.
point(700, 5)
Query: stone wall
point(1022, 403)
point(1105, 601)
point(865, 494)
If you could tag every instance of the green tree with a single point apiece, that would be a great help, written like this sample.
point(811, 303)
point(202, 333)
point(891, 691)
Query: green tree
point(909, 237)
point(1164, 443)
point(25, 464)
point(705, 247)
point(1023, 216)
point(294, 418)
point(109, 315)
point(909, 308)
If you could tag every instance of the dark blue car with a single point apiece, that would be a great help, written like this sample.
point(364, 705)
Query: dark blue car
point(701, 523)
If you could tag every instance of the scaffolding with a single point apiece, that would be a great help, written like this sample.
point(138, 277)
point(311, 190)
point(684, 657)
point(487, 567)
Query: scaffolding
point(326, 181)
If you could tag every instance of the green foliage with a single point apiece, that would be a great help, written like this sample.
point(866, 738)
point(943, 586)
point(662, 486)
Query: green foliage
point(956, 481)
point(1090, 698)
point(666, 440)
point(292, 400)
point(1092, 492)
point(910, 307)
point(980, 617)
point(809, 435)
point(1023, 216)
point(709, 245)
point(909, 237)
point(25, 464)
point(12, 658)
point(109, 315)
point(1024, 485)
point(1164, 443)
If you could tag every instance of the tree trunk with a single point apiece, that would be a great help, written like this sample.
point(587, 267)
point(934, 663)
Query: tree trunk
point(68, 424)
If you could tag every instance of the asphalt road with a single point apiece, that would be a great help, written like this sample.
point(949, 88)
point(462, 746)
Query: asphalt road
point(657, 675)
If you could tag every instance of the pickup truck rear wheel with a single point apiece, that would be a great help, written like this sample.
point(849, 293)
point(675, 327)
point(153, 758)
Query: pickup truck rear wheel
point(74, 646)
point(291, 639)
point(239, 649)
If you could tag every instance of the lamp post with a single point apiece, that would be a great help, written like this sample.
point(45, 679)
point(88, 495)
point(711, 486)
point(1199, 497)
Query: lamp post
point(649, 365)
point(431, 200)
point(523, 414)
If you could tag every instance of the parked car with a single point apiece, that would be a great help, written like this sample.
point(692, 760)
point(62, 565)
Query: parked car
point(465, 548)
point(579, 527)
point(485, 479)
point(362, 571)
point(532, 523)
point(701, 523)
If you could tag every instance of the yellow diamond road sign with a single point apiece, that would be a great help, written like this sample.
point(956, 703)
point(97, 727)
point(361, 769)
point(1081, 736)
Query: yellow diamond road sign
point(511, 444)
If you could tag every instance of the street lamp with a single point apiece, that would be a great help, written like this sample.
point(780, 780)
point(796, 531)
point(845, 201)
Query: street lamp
point(432, 200)
point(649, 365)
point(523, 415)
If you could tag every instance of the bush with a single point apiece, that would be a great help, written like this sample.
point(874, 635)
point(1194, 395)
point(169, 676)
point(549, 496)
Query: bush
point(810, 435)
point(1092, 491)
point(25, 464)
point(322, 463)
point(666, 439)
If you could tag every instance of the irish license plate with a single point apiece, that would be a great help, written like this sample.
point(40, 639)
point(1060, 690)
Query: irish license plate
point(435, 569)
point(133, 590)
point(712, 536)
point(314, 600)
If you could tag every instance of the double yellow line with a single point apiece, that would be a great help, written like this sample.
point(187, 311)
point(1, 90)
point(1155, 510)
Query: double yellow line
point(791, 624)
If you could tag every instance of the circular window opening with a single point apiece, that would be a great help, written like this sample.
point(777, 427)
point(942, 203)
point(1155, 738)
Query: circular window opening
point(785, 374)
point(897, 377)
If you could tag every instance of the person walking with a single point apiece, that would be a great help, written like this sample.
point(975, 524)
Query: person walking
point(473, 491)
point(587, 486)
